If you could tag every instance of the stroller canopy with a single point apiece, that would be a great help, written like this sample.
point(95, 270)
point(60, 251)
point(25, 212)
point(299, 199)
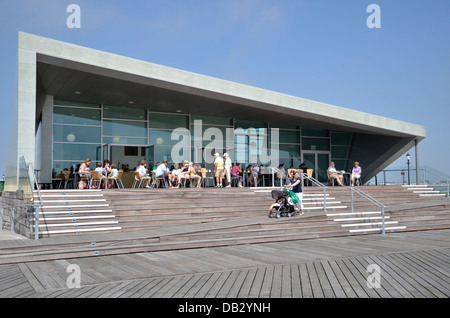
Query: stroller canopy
point(278, 194)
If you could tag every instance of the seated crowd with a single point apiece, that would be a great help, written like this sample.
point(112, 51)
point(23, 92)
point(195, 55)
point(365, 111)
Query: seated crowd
point(179, 174)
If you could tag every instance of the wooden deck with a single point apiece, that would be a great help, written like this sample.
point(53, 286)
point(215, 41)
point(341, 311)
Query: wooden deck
point(412, 265)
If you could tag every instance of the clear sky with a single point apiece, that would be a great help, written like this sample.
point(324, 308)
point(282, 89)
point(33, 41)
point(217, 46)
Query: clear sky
point(317, 49)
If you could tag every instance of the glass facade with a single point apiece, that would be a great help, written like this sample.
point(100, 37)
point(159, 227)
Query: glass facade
point(83, 131)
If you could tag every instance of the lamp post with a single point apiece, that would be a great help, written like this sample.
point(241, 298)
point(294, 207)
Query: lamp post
point(408, 156)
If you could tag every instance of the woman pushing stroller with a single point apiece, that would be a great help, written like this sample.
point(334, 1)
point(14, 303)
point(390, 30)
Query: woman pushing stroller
point(296, 186)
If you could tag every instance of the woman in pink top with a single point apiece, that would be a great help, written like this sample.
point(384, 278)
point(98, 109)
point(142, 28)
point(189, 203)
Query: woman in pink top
point(356, 172)
point(235, 173)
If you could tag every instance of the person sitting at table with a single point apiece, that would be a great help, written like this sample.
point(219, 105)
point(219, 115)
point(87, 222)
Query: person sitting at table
point(198, 174)
point(255, 174)
point(85, 170)
point(106, 167)
point(334, 174)
point(356, 173)
point(143, 172)
point(173, 177)
point(184, 173)
point(162, 171)
point(114, 173)
point(248, 171)
point(235, 173)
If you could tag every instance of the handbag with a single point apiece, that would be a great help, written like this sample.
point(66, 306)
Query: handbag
point(294, 197)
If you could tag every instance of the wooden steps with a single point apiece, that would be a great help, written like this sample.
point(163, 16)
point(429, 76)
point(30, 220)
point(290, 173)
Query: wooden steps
point(72, 212)
point(166, 219)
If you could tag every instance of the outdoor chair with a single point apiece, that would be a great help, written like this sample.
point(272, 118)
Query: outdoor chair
point(205, 177)
point(138, 180)
point(156, 180)
point(96, 179)
point(118, 180)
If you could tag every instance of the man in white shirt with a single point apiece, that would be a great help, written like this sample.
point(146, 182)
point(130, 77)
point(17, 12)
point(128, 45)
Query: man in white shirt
point(334, 174)
point(162, 171)
point(227, 169)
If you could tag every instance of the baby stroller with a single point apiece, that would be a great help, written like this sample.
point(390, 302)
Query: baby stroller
point(284, 206)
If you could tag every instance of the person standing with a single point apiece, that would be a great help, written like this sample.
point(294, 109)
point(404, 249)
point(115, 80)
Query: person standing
point(227, 166)
point(218, 170)
point(296, 186)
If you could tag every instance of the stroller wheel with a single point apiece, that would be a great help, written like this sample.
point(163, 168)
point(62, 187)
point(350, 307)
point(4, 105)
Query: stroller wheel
point(270, 215)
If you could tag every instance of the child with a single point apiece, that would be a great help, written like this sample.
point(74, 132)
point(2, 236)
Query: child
point(113, 174)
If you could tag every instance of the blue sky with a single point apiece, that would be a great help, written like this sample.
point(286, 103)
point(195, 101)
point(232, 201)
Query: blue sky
point(316, 49)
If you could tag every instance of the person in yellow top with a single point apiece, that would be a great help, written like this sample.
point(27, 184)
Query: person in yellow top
point(218, 169)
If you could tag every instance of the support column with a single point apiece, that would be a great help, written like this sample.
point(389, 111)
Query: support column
point(417, 160)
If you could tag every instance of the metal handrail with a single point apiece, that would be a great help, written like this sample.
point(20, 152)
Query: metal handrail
point(373, 201)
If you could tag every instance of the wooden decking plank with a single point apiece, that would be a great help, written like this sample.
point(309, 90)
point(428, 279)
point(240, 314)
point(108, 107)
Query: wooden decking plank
point(286, 281)
point(342, 280)
point(352, 281)
point(404, 287)
point(228, 284)
point(203, 291)
point(16, 289)
point(333, 281)
point(174, 290)
point(266, 286)
point(395, 289)
point(275, 291)
point(212, 292)
point(148, 285)
point(385, 287)
point(324, 280)
point(182, 286)
point(247, 283)
point(314, 280)
point(423, 274)
point(407, 271)
point(237, 285)
point(305, 281)
point(197, 286)
point(296, 286)
point(360, 273)
point(255, 289)
point(436, 264)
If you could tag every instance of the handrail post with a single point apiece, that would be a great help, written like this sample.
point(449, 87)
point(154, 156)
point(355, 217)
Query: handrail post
point(36, 222)
point(383, 228)
point(325, 199)
point(351, 194)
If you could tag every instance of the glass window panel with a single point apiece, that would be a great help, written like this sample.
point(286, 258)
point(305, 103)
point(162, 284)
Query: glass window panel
point(210, 120)
point(289, 136)
point(340, 152)
point(341, 164)
point(76, 116)
point(63, 133)
point(341, 139)
point(124, 128)
point(283, 126)
point(125, 140)
point(164, 137)
point(71, 151)
point(168, 121)
point(288, 151)
point(77, 104)
point(124, 113)
point(315, 144)
point(312, 132)
point(245, 124)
